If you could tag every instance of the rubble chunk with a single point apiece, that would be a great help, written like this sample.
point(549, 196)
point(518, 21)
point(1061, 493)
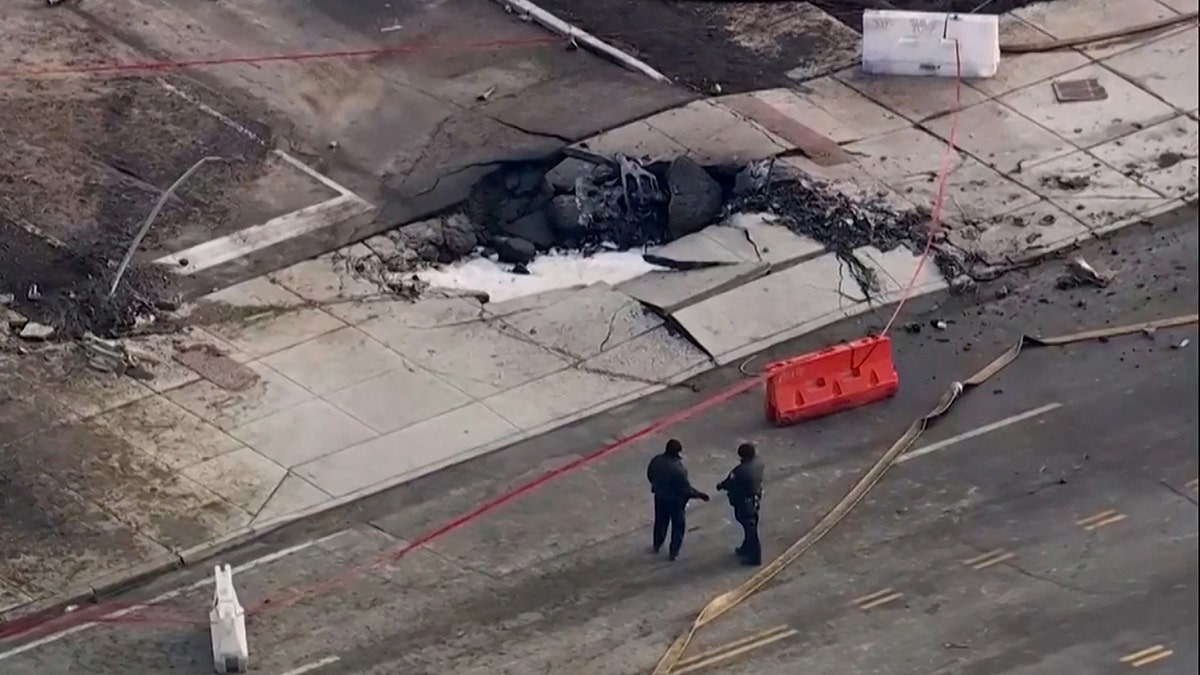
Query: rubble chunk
point(695, 198)
point(36, 331)
point(514, 250)
point(533, 228)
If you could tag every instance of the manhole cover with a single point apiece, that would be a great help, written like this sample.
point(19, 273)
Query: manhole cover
point(1074, 91)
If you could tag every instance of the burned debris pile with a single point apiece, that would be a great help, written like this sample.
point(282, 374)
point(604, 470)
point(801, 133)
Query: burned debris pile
point(587, 202)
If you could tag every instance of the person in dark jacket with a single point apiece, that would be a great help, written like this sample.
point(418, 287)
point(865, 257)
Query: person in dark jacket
point(672, 491)
point(743, 486)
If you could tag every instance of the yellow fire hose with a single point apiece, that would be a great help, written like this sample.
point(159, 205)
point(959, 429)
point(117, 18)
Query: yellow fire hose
point(727, 601)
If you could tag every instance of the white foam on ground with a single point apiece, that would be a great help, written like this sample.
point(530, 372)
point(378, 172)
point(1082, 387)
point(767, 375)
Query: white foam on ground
point(546, 273)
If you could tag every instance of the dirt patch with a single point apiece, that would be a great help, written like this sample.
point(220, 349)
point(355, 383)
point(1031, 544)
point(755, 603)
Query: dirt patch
point(741, 45)
point(84, 160)
point(1066, 183)
point(1169, 159)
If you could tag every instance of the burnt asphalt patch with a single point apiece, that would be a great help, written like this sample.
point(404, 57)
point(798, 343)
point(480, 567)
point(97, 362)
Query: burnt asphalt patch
point(741, 46)
point(86, 162)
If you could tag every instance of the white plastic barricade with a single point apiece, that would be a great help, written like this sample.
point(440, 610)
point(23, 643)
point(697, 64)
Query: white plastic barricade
point(924, 43)
point(227, 620)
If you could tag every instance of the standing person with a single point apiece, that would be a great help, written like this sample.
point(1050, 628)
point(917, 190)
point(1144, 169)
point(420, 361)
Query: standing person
point(743, 486)
point(672, 491)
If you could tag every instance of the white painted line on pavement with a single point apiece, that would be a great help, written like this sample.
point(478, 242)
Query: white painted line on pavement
point(158, 599)
point(308, 667)
point(985, 429)
point(315, 175)
point(274, 231)
point(209, 110)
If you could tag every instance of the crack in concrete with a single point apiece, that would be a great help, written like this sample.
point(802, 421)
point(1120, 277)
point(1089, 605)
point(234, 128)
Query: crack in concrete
point(612, 325)
point(1016, 567)
point(1177, 491)
point(529, 132)
point(753, 244)
point(575, 361)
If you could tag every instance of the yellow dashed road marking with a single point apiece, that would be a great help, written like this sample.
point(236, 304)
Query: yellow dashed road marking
point(876, 599)
point(1147, 656)
point(728, 652)
point(1192, 484)
point(1101, 519)
point(985, 560)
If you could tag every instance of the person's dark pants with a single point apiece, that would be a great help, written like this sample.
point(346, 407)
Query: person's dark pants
point(669, 513)
point(751, 548)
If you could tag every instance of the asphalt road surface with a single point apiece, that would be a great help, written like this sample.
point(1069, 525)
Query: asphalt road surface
point(1048, 525)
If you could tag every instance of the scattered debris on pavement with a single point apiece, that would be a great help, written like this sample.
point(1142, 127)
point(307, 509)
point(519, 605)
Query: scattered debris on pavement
point(1078, 91)
point(1080, 273)
point(214, 365)
point(587, 203)
point(35, 331)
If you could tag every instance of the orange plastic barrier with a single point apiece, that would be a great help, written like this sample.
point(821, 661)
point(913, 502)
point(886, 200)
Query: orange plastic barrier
point(831, 380)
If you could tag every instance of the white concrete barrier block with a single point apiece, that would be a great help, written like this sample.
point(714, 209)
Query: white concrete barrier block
point(227, 621)
point(924, 43)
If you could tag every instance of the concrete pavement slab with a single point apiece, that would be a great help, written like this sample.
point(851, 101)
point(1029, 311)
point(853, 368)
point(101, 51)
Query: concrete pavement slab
point(398, 398)
point(527, 303)
point(328, 278)
point(387, 314)
point(158, 352)
point(897, 269)
point(303, 432)
point(87, 392)
point(562, 397)
point(636, 139)
point(903, 155)
point(1182, 6)
point(292, 495)
point(737, 323)
point(1127, 108)
point(476, 358)
point(225, 409)
point(409, 452)
point(701, 246)
point(584, 323)
point(915, 98)
point(758, 237)
point(1079, 18)
point(669, 292)
point(714, 134)
point(847, 179)
point(972, 192)
point(1020, 70)
point(908, 162)
point(168, 433)
point(1085, 187)
point(1162, 157)
point(834, 110)
point(334, 360)
point(1001, 138)
point(1166, 67)
point(276, 329)
point(161, 505)
point(655, 357)
point(1019, 235)
point(243, 477)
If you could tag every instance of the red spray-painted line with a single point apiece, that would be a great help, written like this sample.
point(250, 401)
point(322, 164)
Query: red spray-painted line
point(33, 627)
point(661, 424)
point(294, 57)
